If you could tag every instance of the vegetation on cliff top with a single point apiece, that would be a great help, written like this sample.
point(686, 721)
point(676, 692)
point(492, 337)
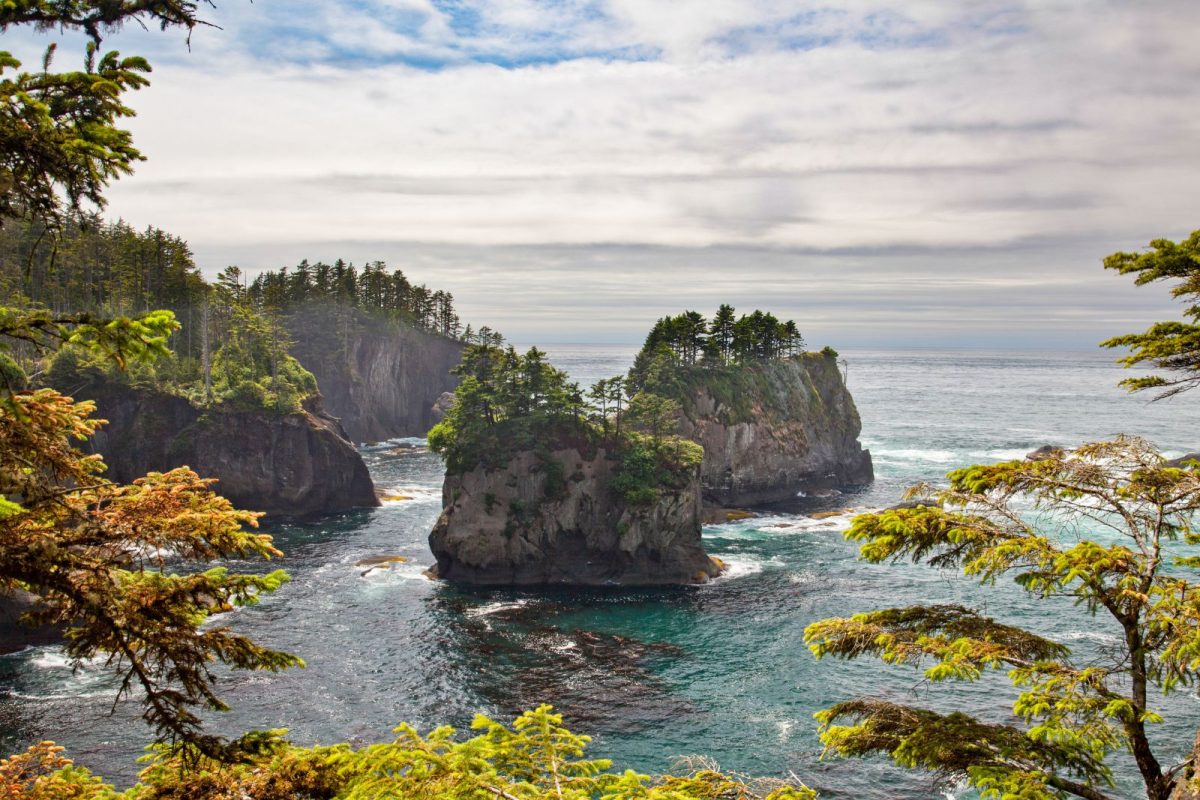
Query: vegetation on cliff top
point(507, 403)
point(535, 758)
point(732, 359)
point(233, 343)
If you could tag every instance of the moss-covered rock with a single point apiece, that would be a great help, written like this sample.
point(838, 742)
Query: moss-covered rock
point(520, 524)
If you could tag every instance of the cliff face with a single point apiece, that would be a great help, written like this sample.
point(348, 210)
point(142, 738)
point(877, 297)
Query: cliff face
point(294, 465)
point(553, 520)
point(379, 379)
point(770, 431)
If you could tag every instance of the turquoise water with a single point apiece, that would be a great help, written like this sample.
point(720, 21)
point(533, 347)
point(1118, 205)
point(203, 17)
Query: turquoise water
point(719, 670)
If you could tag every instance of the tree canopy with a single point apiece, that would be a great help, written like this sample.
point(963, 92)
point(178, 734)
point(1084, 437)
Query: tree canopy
point(372, 289)
point(534, 758)
point(690, 339)
point(59, 134)
point(507, 402)
point(96, 555)
point(1170, 346)
point(1137, 571)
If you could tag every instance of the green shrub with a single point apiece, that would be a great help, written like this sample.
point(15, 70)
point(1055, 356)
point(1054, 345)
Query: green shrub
point(535, 758)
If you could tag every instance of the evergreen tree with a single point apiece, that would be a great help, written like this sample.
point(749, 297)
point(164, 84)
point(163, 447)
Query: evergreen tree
point(1076, 712)
point(1170, 346)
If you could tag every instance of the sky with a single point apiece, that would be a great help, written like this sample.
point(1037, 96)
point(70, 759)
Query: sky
point(887, 173)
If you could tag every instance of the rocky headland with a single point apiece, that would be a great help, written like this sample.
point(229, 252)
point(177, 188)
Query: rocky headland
point(296, 465)
point(379, 377)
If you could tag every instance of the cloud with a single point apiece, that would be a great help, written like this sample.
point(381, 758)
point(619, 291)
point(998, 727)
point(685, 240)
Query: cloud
point(898, 146)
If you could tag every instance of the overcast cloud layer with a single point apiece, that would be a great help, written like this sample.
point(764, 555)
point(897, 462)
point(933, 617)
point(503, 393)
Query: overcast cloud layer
point(934, 173)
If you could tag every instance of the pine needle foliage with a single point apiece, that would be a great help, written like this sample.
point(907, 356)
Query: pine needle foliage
point(1070, 715)
point(535, 758)
point(1170, 346)
point(96, 554)
point(59, 133)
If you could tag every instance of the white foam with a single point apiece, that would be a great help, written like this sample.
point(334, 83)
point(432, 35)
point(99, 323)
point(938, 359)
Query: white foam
point(1090, 636)
point(399, 441)
point(917, 454)
point(739, 566)
point(1001, 455)
point(495, 608)
point(51, 659)
point(803, 577)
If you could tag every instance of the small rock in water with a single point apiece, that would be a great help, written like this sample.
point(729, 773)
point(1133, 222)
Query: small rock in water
point(379, 562)
point(927, 502)
point(1043, 452)
point(1182, 461)
point(716, 515)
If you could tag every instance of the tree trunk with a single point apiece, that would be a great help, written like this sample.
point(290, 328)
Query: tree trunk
point(205, 356)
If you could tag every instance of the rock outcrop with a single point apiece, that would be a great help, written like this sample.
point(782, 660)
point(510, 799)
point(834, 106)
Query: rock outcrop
point(554, 519)
point(16, 635)
point(295, 465)
point(771, 431)
point(379, 378)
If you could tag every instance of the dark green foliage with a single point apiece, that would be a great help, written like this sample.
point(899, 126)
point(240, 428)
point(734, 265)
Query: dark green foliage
point(506, 403)
point(688, 340)
point(639, 476)
point(556, 480)
point(1170, 346)
point(372, 289)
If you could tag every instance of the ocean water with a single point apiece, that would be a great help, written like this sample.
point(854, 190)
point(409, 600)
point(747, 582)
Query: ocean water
point(719, 670)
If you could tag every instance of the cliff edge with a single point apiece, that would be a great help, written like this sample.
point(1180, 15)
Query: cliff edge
point(379, 378)
point(555, 519)
point(295, 465)
point(770, 430)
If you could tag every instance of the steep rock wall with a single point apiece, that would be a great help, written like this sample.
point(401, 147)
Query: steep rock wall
point(773, 430)
point(379, 379)
point(552, 519)
point(294, 465)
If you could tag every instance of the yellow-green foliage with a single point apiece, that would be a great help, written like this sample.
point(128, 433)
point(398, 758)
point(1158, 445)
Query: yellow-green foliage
point(1074, 713)
point(535, 758)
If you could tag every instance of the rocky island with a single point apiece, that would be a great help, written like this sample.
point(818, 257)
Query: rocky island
point(260, 428)
point(540, 489)
point(775, 421)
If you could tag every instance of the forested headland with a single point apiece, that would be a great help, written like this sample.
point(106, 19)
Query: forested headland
point(234, 344)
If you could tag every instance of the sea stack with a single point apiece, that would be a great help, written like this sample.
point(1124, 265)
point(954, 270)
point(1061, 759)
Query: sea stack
point(775, 430)
point(556, 518)
point(540, 490)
